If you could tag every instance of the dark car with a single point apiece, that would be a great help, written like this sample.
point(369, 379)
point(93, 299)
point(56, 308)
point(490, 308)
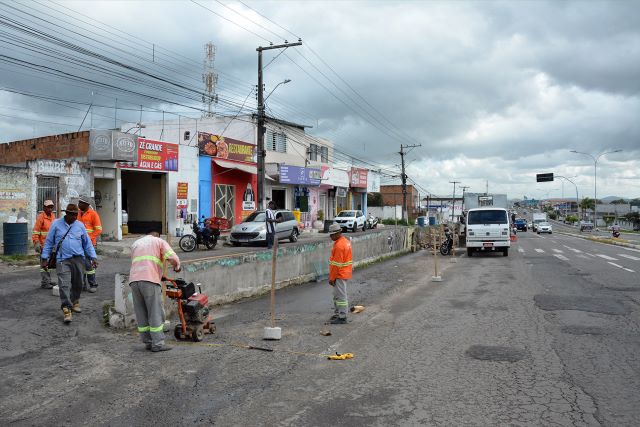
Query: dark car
point(521, 224)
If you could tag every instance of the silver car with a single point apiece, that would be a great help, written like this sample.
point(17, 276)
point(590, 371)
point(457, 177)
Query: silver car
point(544, 227)
point(254, 228)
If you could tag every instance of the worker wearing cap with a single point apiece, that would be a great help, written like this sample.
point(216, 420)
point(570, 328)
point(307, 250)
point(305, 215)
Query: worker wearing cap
point(340, 271)
point(148, 255)
point(39, 235)
point(91, 221)
point(71, 243)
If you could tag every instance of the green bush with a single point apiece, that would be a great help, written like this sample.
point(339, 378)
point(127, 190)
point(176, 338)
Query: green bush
point(391, 221)
point(552, 215)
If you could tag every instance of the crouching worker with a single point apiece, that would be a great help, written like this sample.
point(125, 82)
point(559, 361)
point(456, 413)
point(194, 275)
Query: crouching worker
point(147, 259)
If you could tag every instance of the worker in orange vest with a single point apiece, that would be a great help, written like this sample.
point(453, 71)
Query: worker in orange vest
point(40, 231)
point(340, 270)
point(91, 221)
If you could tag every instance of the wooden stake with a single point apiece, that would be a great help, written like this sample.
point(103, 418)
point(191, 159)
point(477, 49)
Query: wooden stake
point(273, 281)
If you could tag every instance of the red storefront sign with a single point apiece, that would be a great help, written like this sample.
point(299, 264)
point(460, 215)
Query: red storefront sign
point(155, 156)
point(226, 148)
point(359, 178)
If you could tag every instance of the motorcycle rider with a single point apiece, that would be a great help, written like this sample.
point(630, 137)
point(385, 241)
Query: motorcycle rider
point(615, 230)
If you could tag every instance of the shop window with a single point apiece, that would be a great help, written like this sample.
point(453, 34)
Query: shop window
point(276, 142)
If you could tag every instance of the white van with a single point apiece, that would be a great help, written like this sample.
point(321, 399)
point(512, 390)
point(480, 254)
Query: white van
point(488, 230)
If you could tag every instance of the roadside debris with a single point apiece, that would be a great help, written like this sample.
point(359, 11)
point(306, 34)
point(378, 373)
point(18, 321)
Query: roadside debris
point(339, 356)
point(325, 333)
point(357, 309)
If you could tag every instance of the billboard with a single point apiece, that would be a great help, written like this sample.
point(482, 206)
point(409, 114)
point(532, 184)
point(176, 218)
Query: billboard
point(358, 178)
point(154, 156)
point(299, 175)
point(222, 147)
point(373, 182)
point(111, 145)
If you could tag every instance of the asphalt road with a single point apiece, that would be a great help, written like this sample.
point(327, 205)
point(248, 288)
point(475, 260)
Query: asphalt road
point(547, 335)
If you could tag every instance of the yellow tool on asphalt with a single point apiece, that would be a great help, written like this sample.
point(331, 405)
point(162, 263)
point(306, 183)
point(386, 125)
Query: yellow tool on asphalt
point(339, 356)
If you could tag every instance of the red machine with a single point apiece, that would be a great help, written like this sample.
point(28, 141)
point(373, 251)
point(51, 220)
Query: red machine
point(193, 310)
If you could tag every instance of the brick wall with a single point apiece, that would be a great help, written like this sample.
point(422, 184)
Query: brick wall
point(63, 146)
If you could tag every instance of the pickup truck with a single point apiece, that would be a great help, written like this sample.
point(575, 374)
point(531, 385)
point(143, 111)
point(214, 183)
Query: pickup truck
point(521, 224)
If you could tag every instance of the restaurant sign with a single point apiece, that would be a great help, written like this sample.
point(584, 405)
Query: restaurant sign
point(223, 147)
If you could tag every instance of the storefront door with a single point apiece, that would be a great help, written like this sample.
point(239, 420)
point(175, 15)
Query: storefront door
point(225, 201)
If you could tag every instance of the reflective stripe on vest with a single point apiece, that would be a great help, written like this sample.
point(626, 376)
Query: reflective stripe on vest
point(340, 264)
point(168, 254)
point(143, 328)
point(147, 258)
point(156, 329)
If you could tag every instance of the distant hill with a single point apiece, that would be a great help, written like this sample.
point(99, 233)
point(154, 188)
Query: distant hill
point(609, 199)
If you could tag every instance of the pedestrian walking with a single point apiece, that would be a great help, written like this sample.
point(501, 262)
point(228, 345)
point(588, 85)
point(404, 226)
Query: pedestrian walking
point(39, 235)
point(147, 260)
point(340, 271)
point(270, 218)
point(92, 223)
point(70, 244)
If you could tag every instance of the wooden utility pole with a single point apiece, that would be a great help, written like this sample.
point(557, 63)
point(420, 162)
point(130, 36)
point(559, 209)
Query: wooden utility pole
point(404, 179)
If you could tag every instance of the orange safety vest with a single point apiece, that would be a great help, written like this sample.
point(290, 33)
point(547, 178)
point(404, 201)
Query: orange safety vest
point(91, 221)
point(41, 227)
point(341, 261)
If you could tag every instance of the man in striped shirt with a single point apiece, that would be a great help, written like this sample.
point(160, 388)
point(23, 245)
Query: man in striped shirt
point(148, 255)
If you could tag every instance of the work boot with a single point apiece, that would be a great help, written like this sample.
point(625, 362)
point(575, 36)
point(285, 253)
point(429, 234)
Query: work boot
point(162, 347)
point(76, 307)
point(93, 289)
point(334, 317)
point(148, 346)
point(67, 314)
point(46, 285)
point(339, 321)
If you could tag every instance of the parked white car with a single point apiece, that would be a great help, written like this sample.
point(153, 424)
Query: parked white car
point(544, 227)
point(351, 220)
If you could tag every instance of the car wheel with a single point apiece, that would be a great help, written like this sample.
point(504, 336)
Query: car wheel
point(469, 252)
point(505, 252)
point(235, 243)
point(294, 235)
point(355, 227)
point(364, 226)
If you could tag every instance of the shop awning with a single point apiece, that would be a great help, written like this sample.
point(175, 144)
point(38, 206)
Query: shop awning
point(252, 169)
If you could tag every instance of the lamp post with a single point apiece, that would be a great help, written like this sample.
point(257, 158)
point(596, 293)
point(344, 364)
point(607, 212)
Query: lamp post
point(574, 184)
point(595, 182)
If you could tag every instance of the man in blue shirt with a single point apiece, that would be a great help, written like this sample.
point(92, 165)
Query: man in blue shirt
point(69, 239)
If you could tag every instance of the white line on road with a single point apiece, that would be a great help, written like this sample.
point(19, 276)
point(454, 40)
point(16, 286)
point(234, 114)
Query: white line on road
point(630, 249)
point(558, 251)
point(582, 256)
point(591, 255)
point(573, 249)
point(635, 258)
point(521, 250)
point(622, 267)
point(539, 250)
point(607, 257)
point(562, 257)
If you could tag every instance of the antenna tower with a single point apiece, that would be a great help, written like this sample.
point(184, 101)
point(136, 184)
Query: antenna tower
point(210, 79)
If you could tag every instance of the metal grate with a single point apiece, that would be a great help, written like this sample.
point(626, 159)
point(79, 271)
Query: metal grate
point(48, 190)
point(225, 201)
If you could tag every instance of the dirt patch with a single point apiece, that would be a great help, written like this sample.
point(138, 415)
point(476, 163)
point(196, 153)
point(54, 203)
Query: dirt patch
point(569, 302)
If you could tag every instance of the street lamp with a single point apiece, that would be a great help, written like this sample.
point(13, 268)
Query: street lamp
point(284, 82)
point(595, 187)
point(574, 184)
point(140, 126)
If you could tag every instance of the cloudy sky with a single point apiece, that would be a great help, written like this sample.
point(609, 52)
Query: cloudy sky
point(493, 92)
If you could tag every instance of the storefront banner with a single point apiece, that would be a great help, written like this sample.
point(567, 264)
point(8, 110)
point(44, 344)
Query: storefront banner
point(298, 175)
point(341, 192)
point(182, 195)
point(335, 177)
point(373, 182)
point(226, 148)
point(358, 178)
point(155, 156)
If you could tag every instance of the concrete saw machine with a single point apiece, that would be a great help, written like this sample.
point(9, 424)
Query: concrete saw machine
point(193, 310)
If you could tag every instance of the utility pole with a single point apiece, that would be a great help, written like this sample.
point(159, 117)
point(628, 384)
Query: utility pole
point(453, 201)
point(464, 188)
point(261, 119)
point(404, 179)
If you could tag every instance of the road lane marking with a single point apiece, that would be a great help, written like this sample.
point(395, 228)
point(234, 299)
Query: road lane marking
point(558, 251)
point(521, 250)
point(562, 257)
point(573, 249)
point(539, 250)
point(622, 267)
point(635, 258)
point(630, 249)
point(607, 257)
point(591, 255)
point(582, 256)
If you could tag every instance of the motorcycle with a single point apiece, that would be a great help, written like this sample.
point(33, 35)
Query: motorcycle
point(616, 234)
point(371, 222)
point(447, 245)
point(201, 236)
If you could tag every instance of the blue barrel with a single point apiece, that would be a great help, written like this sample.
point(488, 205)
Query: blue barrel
point(421, 221)
point(432, 220)
point(16, 238)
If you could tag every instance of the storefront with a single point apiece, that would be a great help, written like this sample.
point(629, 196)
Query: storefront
point(228, 177)
point(304, 183)
point(358, 189)
point(336, 183)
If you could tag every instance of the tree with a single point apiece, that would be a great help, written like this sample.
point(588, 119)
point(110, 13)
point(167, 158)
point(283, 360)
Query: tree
point(587, 204)
point(634, 218)
point(635, 202)
point(619, 202)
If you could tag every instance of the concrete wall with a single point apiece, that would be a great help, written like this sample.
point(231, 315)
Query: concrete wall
point(15, 195)
point(231, 278)
point(74, 180)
